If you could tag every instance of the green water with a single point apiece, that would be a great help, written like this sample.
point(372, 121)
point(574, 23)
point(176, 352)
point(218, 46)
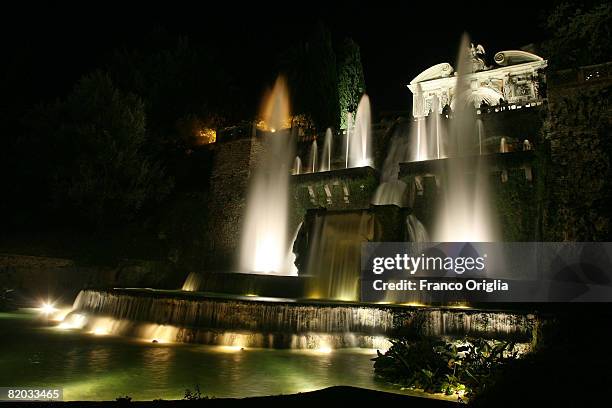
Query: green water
point(92, 367)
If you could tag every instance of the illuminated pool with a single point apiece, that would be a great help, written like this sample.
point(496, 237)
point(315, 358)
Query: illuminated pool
point(93, 367)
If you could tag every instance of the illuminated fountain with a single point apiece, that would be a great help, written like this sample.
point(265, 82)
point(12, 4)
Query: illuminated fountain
point(312, 163)
point(316, 307)
point(264, 239)
point(327, 151)
point(334, 258)
point(428, 136)
point(240, 323)
point(359, 137)
point(465, 215)
point(350, 123)
point(391, 190)
point(297, 165)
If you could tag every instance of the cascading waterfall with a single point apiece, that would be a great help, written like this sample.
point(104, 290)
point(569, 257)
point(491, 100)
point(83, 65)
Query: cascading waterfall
point(360, 136)
point(416, 230)
point(265, 238)
point(334, 260)
point(394, 191)
point(465, 214)
point(235, 315)
point(240, 323)
point(293, 270)
point(312, 164)
point(327, 149)
point(391, 190)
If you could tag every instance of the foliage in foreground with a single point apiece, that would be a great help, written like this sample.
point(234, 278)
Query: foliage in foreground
point(459, 367)
point(194, 395)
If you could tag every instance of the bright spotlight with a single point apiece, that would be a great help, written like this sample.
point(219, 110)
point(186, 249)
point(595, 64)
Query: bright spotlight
point(47, 308)
point(100, 331)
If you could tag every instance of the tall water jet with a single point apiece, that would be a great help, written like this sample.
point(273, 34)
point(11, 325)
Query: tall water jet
point(264, 239)
point(419, 142)
point(275, 111)
point(360, 143)
point(481, 134)
point(312, 164)
point(326, 155)
point(465, 214)
point(297, 165)
point(347, 137)
point(435, 132)
point(503, 146)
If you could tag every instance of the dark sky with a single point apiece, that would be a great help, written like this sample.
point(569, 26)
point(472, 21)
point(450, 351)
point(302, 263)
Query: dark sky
point(52, 47)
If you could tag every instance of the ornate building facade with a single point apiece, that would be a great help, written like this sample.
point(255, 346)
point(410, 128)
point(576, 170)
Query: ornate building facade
point(514, 79)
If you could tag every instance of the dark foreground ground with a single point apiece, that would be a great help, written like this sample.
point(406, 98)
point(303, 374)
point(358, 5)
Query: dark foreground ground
point(331, 395)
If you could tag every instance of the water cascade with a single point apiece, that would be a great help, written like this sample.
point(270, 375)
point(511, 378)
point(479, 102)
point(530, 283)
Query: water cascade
point(464, 215)
point(416, 230)
point(334, 260)
point(291, 268)
point(265, 238)
point(391, 190)
point(241, 323)
point(394, 191)
point(327, 149)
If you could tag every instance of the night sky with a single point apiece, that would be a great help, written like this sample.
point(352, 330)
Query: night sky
point(51, 47)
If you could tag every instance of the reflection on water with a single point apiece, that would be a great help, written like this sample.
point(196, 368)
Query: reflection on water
point(104, 367)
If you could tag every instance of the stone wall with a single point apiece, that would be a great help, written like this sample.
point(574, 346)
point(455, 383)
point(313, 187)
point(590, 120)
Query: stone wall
point(37, 278)
point(343, 189)
point(234, 158)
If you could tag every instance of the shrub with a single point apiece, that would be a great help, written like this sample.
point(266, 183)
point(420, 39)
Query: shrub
point(459, 367)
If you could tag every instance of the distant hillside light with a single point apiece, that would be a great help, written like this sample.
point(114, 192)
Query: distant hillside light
point(206, 136)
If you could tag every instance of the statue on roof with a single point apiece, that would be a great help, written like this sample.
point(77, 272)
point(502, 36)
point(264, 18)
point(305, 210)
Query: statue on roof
point(478, 57)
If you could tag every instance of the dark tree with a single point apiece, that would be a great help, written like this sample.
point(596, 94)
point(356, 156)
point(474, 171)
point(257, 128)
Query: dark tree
point(351, 82)
point(95, 166)
point(179, 82)
point(312, 76)
point(579, 34)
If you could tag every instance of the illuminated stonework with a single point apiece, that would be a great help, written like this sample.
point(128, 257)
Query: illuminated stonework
point(206, 136)
point(513, 79)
